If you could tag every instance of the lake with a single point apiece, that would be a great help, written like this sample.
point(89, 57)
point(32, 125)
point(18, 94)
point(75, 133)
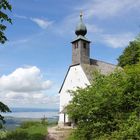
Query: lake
point(32, 113)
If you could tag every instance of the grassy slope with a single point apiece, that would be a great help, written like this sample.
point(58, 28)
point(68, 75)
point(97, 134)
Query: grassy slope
point(27, 131)
point(26, 128)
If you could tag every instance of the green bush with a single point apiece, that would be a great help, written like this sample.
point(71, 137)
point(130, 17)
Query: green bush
point(17, 135)
point(28, 131)
point(28, 124)
point(109, 109)
point(2, 134)
point(36, 137)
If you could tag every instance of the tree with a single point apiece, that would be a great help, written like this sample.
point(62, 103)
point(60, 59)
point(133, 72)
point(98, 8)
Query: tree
point(4, 5)
point(109, 108)
point(3, 108)
point(131, 54)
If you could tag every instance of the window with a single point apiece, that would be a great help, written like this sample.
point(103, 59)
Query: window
point(84, 45)
point(76, 45)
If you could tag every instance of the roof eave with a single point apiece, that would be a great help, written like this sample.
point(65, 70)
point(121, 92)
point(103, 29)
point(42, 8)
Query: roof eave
point(66, 75)
point(81, 38)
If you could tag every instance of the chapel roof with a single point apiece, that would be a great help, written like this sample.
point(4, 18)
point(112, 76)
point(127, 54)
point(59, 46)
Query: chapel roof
point(80, 37)
point(95, 65)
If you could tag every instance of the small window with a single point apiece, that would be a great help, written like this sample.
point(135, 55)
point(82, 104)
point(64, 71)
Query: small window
point(84, 45)
point(76, 45)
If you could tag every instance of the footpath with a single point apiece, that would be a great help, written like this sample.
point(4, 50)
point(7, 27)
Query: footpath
point(56, 133)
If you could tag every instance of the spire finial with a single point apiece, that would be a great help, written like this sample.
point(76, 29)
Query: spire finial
point(81, 28)
point(81, 14)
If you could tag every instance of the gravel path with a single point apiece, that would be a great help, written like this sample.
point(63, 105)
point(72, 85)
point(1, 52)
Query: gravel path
point(55, 133)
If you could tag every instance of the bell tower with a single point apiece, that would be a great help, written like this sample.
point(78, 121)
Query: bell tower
point(80, 45)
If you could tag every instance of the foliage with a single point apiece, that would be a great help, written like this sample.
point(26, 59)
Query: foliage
point(15, 135)
point(4, 6)
point(131, 54)
point(2, 134)
point(71, 136)
point(44, 121)
point(28, 131)
point(29, 124)
point(109, 109)
point(3, 108)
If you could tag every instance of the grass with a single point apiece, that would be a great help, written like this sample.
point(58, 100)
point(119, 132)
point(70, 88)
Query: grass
point(27, 131)
point(71, 137)
point(2, 134)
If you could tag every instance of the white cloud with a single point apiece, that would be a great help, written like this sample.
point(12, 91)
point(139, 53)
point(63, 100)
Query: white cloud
point(93, 28)
point(38, 96)
point(26, 87)
point(17, 42)
point(24, 99)
point(108, 8)
point(24, 79)
point(118, 40)
point(41, 22)
point(19, 16)
point(16, 96)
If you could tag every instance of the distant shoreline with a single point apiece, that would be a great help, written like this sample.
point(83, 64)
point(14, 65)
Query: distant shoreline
point(32, 113)
point(21, 109)
point(13, 122)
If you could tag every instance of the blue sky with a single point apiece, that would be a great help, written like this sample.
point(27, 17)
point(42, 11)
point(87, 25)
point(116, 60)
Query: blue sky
point(34, 61)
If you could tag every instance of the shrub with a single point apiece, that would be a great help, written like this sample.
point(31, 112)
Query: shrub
point(28, 131)
point(28, 124)
point(109, 109)
point(17, 135)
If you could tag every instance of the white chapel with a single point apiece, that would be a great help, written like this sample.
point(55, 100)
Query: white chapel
point(80, 71)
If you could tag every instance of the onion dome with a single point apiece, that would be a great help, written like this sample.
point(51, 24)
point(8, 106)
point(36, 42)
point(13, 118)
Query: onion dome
point(81, 28)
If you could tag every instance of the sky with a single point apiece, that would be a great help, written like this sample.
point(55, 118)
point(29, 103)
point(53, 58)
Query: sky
point(34, 61)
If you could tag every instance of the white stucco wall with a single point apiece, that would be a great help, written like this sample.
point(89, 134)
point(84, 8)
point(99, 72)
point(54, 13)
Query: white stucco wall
point(75, 78)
